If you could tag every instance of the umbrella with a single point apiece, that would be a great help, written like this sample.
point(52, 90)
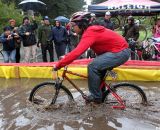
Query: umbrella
point(62, 19)
point(137, 7)
point(32, 5)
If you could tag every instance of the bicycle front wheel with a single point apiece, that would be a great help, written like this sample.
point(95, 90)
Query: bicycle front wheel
point(131, 95)
point(47, 93)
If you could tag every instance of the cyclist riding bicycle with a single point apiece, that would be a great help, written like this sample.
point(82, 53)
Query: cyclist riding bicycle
point(110, 47)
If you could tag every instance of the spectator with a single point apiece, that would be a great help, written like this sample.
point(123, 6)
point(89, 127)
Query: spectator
point(93, 20)
point(107, 22)
point(8, 39)
point(156, 29)
point(44, 38)
point(156, 36)
point(14, 29)
point(59, 35)
point(131, 31)
point(27, 32)
point(71, 38)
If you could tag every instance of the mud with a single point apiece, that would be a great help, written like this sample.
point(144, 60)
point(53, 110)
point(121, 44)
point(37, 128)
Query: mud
point(16, 113)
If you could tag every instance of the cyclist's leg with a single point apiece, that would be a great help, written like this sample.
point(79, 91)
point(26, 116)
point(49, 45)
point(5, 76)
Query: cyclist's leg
point(27, 53)
point(44, 53)
point(13, 56)
point(57, 48)
point(6, 56)
point(132, 47)
point(18, 55)
point(62, 48)
point(100, 63)
point(51, 53)
point(34, 51)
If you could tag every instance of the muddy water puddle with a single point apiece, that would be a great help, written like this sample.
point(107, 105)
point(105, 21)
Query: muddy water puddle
point(16, 113)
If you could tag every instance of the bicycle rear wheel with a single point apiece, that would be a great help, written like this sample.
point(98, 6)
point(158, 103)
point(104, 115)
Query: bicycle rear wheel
point(47, 93)
point(131, 95)
point(116, 22)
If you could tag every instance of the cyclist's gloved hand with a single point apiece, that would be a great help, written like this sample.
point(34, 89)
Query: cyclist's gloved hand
point(55, 68)
point(61, 57)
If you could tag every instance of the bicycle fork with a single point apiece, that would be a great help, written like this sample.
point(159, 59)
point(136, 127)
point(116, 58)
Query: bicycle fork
point(57, 85)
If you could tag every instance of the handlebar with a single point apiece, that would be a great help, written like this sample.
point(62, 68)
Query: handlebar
point(154, 39)
point(150, 38)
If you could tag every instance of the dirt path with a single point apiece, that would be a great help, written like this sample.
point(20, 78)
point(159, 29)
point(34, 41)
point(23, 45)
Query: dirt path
point(17, 114)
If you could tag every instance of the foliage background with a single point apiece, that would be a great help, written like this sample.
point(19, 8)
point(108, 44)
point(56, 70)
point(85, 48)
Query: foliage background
point(9, 12)
point(9, 9)
point(55, 8)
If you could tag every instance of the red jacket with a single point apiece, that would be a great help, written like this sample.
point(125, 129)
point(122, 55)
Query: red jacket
point(100, 40)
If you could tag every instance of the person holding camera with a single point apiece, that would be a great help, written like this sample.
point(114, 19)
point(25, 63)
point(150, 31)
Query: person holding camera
point(27, 33)
point(8, 39)
point(45, 40)
point(14, 29)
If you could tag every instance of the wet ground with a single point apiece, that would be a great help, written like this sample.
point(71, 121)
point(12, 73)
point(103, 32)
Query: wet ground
point(17, 114)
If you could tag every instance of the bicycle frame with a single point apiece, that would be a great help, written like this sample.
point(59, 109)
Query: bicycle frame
point(103, 84)
point(152, 44)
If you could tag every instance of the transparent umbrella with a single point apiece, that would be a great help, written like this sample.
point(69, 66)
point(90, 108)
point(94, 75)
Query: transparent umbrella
point(32, 5)
point(62, 19)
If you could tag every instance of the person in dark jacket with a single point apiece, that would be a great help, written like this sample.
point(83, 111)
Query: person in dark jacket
point(107, 22)
point(71, 39)
point(44, 38)
point(27, 33)
point(8, 39)
point(59, 35)
point(93, 20)
point(131, 31)
point(14, 29)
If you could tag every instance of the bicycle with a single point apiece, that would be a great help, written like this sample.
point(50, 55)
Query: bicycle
point(119, 95)
point(151, 49)
point(134, 47)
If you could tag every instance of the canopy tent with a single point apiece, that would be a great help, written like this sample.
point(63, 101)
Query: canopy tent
point(126, 7)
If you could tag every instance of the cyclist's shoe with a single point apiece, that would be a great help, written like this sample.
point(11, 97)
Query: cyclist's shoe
point(90, 99)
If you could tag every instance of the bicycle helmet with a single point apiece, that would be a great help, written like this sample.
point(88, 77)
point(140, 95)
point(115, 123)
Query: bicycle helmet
point(80, 16)
point(81, 19)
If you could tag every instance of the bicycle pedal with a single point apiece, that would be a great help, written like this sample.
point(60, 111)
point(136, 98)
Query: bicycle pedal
point(53, 107)
point(37, 101)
